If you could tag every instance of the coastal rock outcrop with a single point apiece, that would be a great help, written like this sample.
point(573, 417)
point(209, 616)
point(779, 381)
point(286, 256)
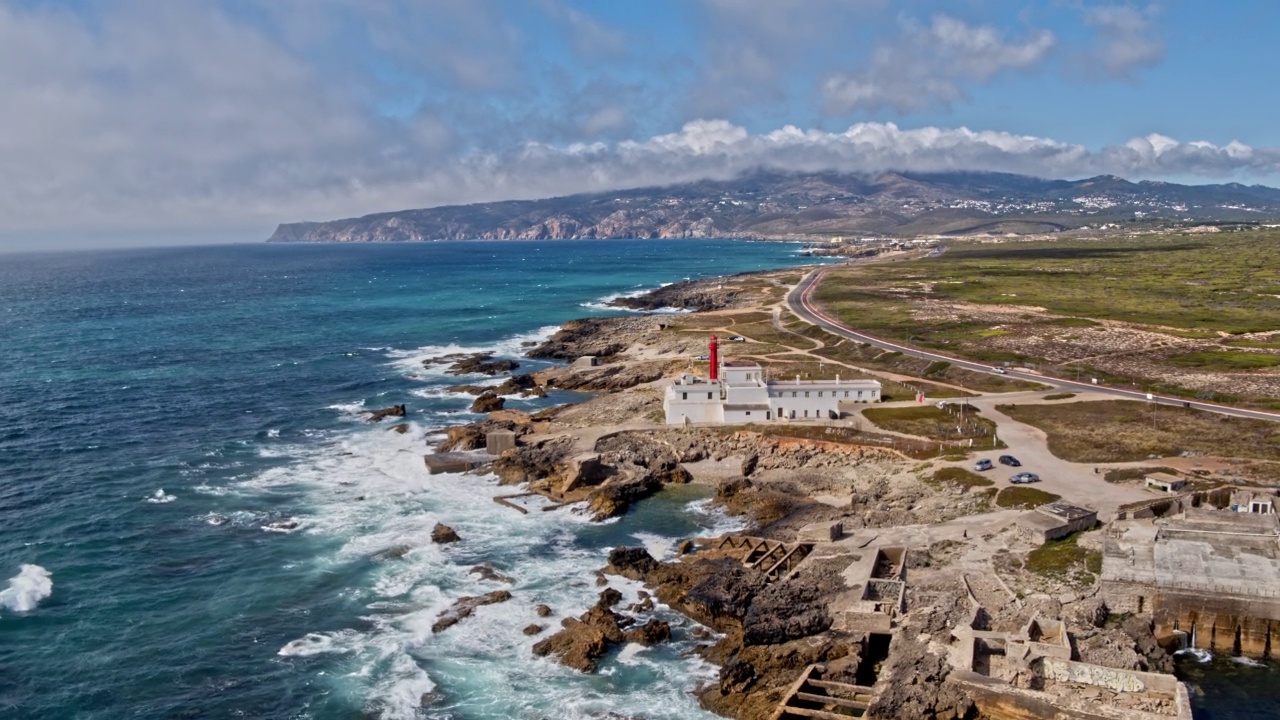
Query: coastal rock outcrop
point(378, 415)
point(465, 607)
point(472, 436)
point(607, 378)
point(442, 533)
point(583, 640)
point(487, 572)
point(576, 338)
point(487, 402)
point(481, 364)
point(688, 295)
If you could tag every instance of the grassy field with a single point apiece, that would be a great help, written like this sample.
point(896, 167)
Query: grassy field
point(1065, 561)
point(1227, 282)
point(1119, 475)
point(1202, 292)
point(1128, 430)
point(934, 423)
point(959, 477)
point(874, 358)
point(1024, 497)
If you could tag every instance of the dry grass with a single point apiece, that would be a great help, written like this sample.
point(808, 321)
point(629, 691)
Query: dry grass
point(959, 477)
point(931, 422)
point(1127, 430)
point(1024, 497)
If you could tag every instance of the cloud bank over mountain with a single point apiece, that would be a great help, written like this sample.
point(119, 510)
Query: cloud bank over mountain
point(148, 116)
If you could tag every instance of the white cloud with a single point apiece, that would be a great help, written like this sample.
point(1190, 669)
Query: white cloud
point(145, 116)
point(931, 65)
point(1126, 39)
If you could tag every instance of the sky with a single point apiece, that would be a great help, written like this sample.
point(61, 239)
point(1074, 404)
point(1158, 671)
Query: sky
point(134, 122)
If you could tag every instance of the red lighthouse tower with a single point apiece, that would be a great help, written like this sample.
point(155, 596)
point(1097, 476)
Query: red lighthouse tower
point(714, 357)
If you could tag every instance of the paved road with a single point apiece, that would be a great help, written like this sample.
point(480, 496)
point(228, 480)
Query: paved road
point(800, 300)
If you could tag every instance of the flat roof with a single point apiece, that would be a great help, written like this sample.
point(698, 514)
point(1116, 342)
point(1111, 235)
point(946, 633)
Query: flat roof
point(1066, 511)
point(740, 364)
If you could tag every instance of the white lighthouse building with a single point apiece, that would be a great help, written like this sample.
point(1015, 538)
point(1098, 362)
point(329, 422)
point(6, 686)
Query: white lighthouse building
point(737, 392)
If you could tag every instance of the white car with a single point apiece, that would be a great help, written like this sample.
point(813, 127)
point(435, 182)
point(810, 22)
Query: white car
point(1024, 478)
point(737, 338)
point(1002, 371)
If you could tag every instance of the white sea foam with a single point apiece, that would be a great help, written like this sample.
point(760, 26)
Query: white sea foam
point(411, 361)
point(1199, 654)
point(714, 520)
point(370, 490)
point(1247, 661)
point(319, 644)
point(26, 589)
point(658, 546)
point(160, 497)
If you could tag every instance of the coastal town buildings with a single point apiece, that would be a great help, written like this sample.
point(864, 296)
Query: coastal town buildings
point(739, 392)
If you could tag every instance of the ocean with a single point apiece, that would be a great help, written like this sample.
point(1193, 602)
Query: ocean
point(162, 409)
point(196, 521)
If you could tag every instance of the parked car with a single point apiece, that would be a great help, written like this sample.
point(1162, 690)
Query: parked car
point(1010, 460)
point(702, 357)
point(737, 338)
point(983, 464)
point(1002, 371)
point(1024, 478)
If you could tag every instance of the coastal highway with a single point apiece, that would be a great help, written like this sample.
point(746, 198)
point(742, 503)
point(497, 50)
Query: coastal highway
point(800, 300)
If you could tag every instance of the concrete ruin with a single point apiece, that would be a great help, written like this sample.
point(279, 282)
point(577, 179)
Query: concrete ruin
point(1055, 521)
point(1031, 673)
point(1209, 577)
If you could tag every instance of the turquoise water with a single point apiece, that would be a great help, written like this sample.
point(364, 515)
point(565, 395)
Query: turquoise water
point(160, 409)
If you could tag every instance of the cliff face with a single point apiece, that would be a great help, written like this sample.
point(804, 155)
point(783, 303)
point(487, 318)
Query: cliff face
point(777, 205)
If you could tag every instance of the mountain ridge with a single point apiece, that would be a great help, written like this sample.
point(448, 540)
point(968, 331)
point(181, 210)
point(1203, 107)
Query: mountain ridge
point(768, 204)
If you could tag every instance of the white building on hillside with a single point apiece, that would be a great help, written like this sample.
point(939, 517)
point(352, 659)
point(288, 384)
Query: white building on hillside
point(743, 395)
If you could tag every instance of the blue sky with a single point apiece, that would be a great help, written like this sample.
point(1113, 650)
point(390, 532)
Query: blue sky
point(185, 119)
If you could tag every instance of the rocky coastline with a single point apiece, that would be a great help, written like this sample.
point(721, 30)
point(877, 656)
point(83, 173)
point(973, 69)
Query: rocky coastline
point(610, 451)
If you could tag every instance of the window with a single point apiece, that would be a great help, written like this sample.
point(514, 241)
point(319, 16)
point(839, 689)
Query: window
point(806, 412)
point(793, 393)
point(684, 396)
point(748, 412)
point(846, 393)
point(708, 396)
point(806, 393)
point(819, 393)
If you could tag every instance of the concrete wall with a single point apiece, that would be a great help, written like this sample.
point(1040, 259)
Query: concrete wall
point(998, 701)
point(1215, 617)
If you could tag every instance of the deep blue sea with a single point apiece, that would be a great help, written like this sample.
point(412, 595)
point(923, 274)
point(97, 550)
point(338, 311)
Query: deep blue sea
point(161, 409)
point(167, 417)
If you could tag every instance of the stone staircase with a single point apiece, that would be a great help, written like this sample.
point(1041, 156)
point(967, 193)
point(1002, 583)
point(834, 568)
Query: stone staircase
point(813, 697)
point(776, 559)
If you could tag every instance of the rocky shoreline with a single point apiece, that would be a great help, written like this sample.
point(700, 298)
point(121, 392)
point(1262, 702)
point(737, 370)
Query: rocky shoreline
point(764, 632)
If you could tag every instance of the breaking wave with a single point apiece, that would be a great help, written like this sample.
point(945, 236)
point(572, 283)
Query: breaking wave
point(26, 589)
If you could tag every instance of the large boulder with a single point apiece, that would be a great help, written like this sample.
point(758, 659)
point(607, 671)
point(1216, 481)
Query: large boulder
point(487, 402)
point(584, 469)
point(378, 415)
point(633, 563)
point(442, 533)
point(651, 633)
